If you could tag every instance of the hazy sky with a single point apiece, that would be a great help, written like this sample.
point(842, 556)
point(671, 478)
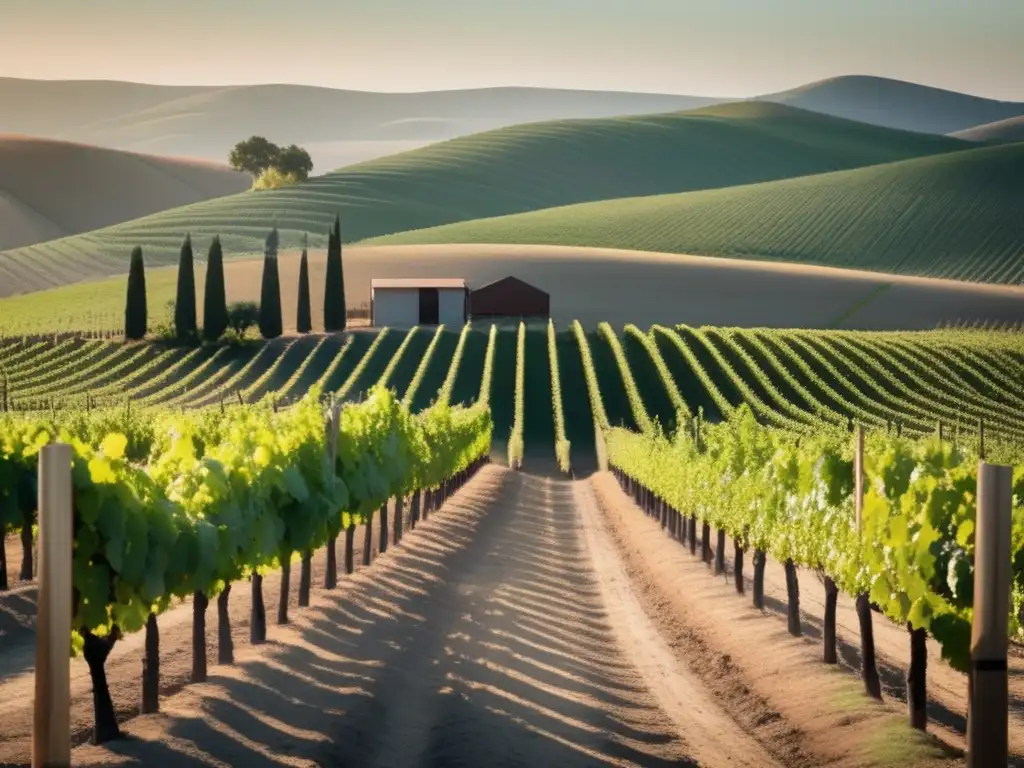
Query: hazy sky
point(711, 47)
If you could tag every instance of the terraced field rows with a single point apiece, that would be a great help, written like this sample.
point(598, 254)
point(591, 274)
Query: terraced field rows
point(951, 216)
point(539, 165)
point(796, 379)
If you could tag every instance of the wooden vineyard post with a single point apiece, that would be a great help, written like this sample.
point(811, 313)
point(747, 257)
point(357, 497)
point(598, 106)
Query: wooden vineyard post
point(51, 726)
point(868, 665)
point(987, 723)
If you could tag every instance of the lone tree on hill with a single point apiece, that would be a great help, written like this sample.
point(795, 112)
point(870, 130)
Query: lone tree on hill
point(304, 321)
point(271, 323)
point(185, 301)
point(294, 161)
point(254, 155)
point(135, 305)
point(335, 314)
point(215, 303)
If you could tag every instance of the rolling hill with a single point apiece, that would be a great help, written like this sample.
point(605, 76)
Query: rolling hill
point(338, 127)
point(51, 189)
point(588, 284)
point(1008, 130)
point(509, 170)
point(955, 216)
point(897, 104)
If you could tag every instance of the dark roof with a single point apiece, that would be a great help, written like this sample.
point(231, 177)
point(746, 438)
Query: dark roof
point(510, 280)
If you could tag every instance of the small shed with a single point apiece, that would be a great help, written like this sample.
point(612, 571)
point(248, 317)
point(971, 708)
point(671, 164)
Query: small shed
point(405, 302)
point(509, 297)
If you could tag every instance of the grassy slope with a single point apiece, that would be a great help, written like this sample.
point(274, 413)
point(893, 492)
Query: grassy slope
point(579, 421)
point(954, 215)
point(538, 407)
point(613, 390)
point(437, 368)
point(897, 104)
point(406, 367)
point(648, 382)
point(1008, 130)
point(511, 170)
point(51, 189)
point(503, 385)
point(377, 364)
point(471, 368)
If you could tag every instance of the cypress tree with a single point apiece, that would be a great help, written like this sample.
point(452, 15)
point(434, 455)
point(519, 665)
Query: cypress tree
point(185, 303)
point(271, 325)
point(215, 302)
point(135, 305)
point(304, 321)
point(334, 282)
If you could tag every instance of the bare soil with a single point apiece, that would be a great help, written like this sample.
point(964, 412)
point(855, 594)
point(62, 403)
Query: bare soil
point(771, 681)
point(533, 621)
point(645, 288)
point(124, 667)
point(482, 640)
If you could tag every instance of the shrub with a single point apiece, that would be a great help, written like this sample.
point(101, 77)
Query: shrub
point(243, 315)
point(272, 178)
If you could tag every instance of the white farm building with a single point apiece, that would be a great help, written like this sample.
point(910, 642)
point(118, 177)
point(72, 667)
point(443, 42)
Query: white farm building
point(405, 302)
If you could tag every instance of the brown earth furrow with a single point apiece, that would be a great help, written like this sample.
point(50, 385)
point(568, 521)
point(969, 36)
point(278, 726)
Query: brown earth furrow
point(775, 684)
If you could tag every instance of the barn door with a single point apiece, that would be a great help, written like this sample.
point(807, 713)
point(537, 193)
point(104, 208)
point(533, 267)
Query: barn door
point(430, 306)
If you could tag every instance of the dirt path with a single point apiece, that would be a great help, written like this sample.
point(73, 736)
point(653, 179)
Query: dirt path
point(124, 667)
point(483, 640)
point(715, 738)
point(525, 624)
point(947, 688)
point(772, 683)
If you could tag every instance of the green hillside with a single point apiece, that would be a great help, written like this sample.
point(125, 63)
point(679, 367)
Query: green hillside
point(954, 216)
point(510, 170)
point(897, 103)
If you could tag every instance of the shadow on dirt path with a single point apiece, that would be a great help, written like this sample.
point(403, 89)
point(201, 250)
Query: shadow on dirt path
point(482, 640)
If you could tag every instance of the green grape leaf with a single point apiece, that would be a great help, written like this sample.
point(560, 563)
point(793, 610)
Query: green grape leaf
point(881, 590)
point(100, 472)
point(953, 633)
point(133, 565)
point(87, 544)
point(92, 580)
point(111, 525)
point(964, 533)
point(295, 484)
point(87, 507)
point(920, 613)
point(113, 446)
point(131, 615)
point(898, 533)
point(153, 586)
